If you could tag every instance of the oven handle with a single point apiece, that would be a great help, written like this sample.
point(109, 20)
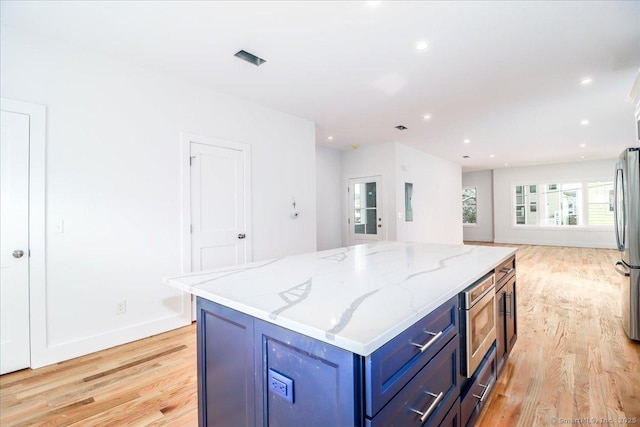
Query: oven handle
point(428, 344)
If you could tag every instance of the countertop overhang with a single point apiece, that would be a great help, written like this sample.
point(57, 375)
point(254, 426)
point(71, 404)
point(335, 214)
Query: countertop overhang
point(356, 298)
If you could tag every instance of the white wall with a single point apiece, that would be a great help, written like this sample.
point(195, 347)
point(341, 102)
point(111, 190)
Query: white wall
point(436, 190)
point(329, 200)
point(437, 208)
point(113, 177)
point(371, 161)
point(505, 179)
point(483, 182)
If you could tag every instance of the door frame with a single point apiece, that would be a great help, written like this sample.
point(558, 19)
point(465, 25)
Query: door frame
point(37, 226)
point(381, 199)
point(185, 221)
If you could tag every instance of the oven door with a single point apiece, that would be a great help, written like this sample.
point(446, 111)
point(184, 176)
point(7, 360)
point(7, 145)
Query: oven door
point(480, 332)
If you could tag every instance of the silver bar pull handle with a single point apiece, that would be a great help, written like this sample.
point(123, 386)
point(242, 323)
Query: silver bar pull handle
point(507, 312)
point(428, 344)
point(484, 393)
point(241, 236)
point(512, 300)
point(506, 270)
point(424, 415)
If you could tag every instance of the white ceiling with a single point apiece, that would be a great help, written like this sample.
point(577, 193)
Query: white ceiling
point(505, 75)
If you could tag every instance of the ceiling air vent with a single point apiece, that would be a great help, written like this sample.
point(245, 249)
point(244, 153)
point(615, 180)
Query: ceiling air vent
point(249, 57)
point(400, 127)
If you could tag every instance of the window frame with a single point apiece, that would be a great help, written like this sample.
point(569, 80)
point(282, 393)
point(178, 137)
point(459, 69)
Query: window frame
point(583, 206)
point(470, 224)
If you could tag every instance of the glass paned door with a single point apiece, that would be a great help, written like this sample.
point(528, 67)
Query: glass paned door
point(365, 220)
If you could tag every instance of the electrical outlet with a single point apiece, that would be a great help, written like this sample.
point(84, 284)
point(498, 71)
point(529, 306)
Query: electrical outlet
point(121, 306)
point(281, 385)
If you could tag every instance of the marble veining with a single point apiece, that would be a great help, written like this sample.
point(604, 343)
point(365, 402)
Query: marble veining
point(356, 298)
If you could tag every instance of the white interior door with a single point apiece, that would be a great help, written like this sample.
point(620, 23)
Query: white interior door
point(14, 242)
point(365, 210)
point(218, 236)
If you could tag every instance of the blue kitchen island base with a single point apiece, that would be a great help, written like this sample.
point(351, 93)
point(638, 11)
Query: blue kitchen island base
point(253, 373)
point(382, 334)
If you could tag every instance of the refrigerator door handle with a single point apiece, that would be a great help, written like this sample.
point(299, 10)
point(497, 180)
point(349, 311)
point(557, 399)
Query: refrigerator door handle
point(616, 207)
point(626, 272)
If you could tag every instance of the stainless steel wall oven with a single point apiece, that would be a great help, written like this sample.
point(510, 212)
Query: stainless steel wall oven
point(478, 322)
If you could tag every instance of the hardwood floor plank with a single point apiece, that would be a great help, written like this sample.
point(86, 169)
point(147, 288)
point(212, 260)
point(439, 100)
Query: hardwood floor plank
point(572, 361)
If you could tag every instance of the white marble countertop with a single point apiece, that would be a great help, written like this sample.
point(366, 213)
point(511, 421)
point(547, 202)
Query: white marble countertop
point(356, 298)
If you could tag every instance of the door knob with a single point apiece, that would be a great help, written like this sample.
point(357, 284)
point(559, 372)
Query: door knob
point(241, 236)
point(17, 253)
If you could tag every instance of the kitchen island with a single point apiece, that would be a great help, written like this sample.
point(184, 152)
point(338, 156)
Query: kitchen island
point(351, 336)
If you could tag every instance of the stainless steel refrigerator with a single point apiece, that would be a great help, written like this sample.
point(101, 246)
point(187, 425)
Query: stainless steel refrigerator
point(627, 228)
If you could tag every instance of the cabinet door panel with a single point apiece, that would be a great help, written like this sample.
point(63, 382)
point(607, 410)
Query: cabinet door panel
point(323, 380)
point(225, 366)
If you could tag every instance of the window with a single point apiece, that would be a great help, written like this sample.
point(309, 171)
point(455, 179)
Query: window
point(600, 206)
point(469, 206)
point(577, 204)
point(526, 205)
point(562, 204)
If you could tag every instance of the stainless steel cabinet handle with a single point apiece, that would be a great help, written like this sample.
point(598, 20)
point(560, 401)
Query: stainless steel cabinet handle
point(241, 236)
point(507, 312)
point(506, 270)
point(428, 344)
point(424, 415)
point(624, 272)
point(512, 300)
point(484, 393)
point(17, 253)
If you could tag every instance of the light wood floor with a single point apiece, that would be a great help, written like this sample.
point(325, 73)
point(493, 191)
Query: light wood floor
point(572, 362)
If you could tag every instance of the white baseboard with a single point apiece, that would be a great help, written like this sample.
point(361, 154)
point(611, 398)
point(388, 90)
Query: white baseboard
point(69, 350)
point(540, 242)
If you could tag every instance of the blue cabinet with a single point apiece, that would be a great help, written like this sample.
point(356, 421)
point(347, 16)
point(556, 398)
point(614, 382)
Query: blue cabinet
point(226, 386)
point(427, 398)
point(389, 368)
point(321, 380)
point(253, 373)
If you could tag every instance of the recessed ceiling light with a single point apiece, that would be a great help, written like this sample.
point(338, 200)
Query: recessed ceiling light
point(422, 45)
point(582, 157)
point(506, 164)
point(330, 138)
point(250, 57)
point(467, 141)
point(586, 81)
point(583, 145)
point(492, 155)
point(400, 127)
point(584, 122)
point(426, 116)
